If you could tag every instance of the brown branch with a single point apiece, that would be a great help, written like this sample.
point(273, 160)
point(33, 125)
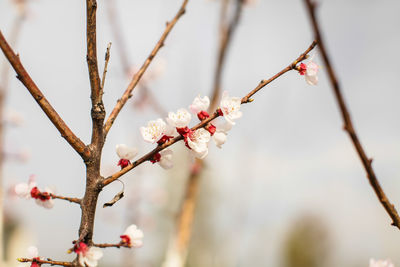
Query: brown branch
point(136, 78)
point(106, 60)
point(245, 99)
point(70, 199)
point(48, 261)
point(24, 77)
point(348, 125)
point(226, 33)
point(106, 245)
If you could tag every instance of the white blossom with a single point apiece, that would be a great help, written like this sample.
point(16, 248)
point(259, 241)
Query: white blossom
point(199, 104)
point(125, 152)
point(133, 236)
point(89, 256)
point(154, 131)
point(230, 107)
point(48, 203)
point(33, 252)
point(166, 159)
point(180, 119)
point(380, 263)
point(219, 138)
point(198, 142)
point(23, 190)
point(311, 72)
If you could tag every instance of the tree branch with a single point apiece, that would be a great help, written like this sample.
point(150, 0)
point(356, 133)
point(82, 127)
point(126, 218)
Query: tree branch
point(24, 77)
point(348, 125)
point(106, 60)
point(48, 261)
point(106, 245)
point(136, 78)
point(70, 199)
point(245, 99)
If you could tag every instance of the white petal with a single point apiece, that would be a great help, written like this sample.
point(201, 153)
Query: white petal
point(33, 252)
point(95, 253)
point(137, 243)
point(199, 155)
point(166, 159)
point(179, 119)
point(219, 138)
point(125, 152)
point(22, 190)
point(199, 104)
point(311, 80)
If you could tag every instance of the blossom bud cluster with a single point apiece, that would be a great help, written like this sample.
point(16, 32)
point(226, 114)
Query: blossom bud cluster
point(30, 190)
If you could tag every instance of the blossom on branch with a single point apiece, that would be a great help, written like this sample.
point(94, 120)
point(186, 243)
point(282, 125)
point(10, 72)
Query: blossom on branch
point(197, 141)
point(132, 237)
point(87, 256)
point(166, 159)
point(125, 154)
point(221, 133)
point(230, 107)
point(33, 253)
point(154, 131)
point(380, 263)
point(30, 190)
point(180, 119)
point(310, 71)
point(199, 107)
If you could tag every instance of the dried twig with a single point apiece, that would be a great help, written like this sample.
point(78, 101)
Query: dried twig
point(48, 261)
point(245, 99)
point(106, 245)
point(24, 77)
point(348, 125)
point(106, 60)
point(127, 94)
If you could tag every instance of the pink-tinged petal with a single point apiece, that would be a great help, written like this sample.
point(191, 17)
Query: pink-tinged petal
point(125, 152)
point(22, 190)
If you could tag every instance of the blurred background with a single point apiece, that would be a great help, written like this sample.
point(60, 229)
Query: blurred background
point(287, 188)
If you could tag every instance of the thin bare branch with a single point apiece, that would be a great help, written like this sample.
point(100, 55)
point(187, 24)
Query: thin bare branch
point(48, 261)
point(70, 199)
point(106, 60)
point(245, 99)
point(348, 125)
point(24, 77)
point(136, 78)
point(226, 33)
point(106, 245)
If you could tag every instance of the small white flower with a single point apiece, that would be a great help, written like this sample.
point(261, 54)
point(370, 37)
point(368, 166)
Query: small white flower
point(180, 119)
point(166, 159)
point(24, 189)
point(230, 107)
point(133, 236)
point(48, 203)
point(33, 252)
point(125, 152)
point(219, 138)
point(90, 256)
point(198, 142)
point(311, 73)
point(380, 263)
point(199, 104)
point(154, 131)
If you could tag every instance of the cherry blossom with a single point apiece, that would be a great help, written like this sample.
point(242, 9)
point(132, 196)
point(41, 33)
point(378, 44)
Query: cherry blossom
point(125, 154)
point(154, 131)
point(132, 236)
point(23, 190)
point(310, 71)
point(180, 119)
point(88, 256)
point(199, 107)
point(197, 141)
point(33, 253)
point(221, 133)
point(30, 190)
point(380, 263)
point(230, 107)
point(166, 159)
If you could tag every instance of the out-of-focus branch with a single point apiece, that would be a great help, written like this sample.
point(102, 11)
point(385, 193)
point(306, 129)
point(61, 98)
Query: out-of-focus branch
point(70, 199)
point(245, 99)
point(136, 78)
point(106, 245)
point(24, 77)
point(348, 125)
point(226, 32)
point(179, 243)
point(48, 261)
point(124, 58)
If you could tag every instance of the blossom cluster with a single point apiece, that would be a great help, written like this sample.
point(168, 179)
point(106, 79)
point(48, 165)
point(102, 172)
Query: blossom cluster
point(310, 71)
point(30, 190)
point(177, 123)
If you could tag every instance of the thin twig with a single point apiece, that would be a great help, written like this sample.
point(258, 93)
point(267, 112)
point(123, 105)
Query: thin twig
point(348, 125)
point(70, 199)
point(106, 59)
point(136, 78)
point(245, 99)
point(48, 261)
point(226, 33)
point(106, 245)
point(24, 77)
